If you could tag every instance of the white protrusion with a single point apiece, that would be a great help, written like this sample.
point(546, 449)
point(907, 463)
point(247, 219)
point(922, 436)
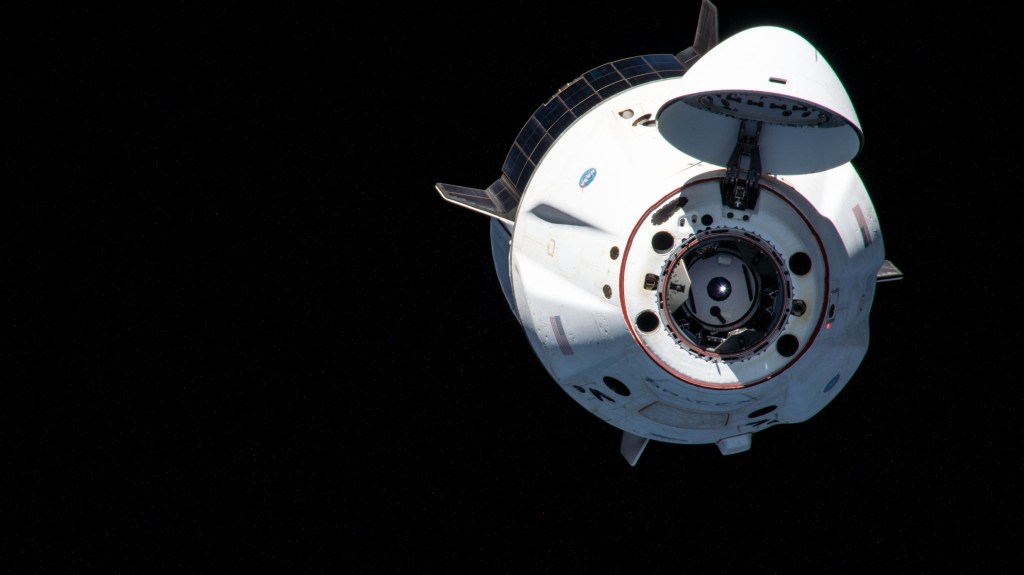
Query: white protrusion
point(734, 444)
point(632, 446)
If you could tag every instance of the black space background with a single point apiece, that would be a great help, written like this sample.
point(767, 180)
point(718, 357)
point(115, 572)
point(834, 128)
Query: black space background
point(246, 333)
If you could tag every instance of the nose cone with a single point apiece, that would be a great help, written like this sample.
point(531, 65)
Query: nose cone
point(772, 76)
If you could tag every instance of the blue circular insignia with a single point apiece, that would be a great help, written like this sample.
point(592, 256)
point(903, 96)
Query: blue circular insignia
point(587, 177)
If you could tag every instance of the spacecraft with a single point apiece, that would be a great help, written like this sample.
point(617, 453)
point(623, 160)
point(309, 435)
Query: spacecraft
point(685, 242)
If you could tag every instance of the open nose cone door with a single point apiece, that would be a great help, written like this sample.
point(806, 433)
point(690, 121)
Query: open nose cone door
point(770, 83)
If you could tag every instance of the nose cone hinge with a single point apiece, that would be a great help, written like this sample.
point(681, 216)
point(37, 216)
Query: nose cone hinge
point(740, 187)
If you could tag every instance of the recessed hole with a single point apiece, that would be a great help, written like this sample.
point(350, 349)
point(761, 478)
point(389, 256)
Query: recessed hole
point(627, 114)
point(662, 241)
point(614, 253)
point(607, 291)
point(616, 386)
point(648, 321)
point(787, 345)
point(763, 411)
point(831, 312)
point(777, 80)
point(800, 263)
point(642, 119)
point(706, 219)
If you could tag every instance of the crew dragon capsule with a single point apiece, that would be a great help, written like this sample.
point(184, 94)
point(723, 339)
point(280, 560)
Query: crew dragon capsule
point(683, 238)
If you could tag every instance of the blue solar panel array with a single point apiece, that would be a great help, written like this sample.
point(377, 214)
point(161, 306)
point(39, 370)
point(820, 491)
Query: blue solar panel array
point(571, 102)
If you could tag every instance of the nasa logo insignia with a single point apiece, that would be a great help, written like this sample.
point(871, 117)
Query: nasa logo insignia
point(587, 177)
